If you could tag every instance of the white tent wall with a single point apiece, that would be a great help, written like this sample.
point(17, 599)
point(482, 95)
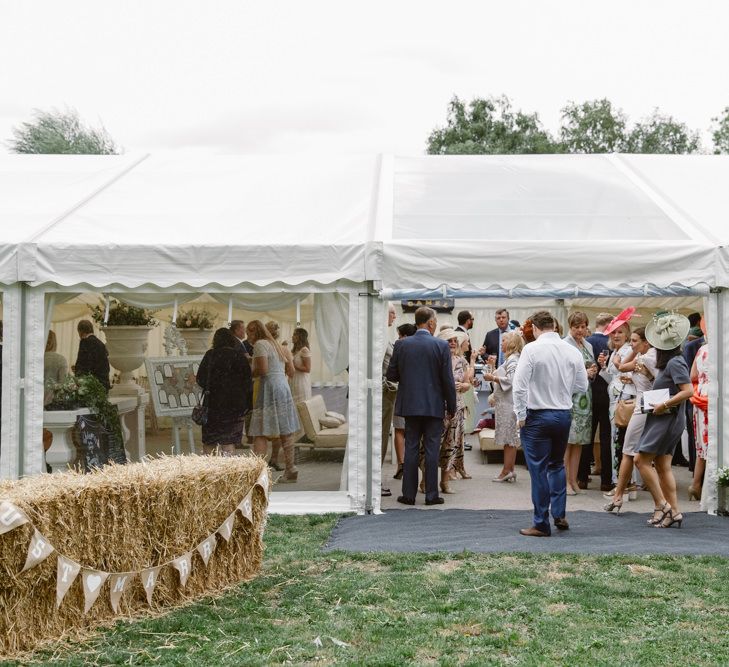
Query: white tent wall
point(10, 451)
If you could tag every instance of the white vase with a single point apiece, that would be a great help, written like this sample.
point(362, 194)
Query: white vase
point(127, 347)
point(198, 340)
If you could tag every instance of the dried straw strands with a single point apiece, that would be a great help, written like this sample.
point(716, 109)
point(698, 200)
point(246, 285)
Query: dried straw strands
point(122, 519)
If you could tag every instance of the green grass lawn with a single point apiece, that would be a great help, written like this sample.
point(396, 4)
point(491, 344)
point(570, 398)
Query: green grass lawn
point(308, 607)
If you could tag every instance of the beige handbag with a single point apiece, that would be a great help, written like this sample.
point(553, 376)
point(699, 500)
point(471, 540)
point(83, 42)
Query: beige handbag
point(623, 411)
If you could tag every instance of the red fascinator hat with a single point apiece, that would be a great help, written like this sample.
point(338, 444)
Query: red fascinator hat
point(619, 320)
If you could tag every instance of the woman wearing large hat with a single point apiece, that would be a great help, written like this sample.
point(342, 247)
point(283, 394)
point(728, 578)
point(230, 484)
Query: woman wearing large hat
point(665, 424)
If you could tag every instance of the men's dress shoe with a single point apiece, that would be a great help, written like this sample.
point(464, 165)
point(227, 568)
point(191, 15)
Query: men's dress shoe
point(561, 523)
point(606, 487)
point(435, 501)
point(384, 491)
point(405, 500)
point(533, 532)
point(581, 484)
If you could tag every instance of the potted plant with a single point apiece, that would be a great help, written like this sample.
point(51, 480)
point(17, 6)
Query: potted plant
point(195, 326)
point(87, 392)
point(127, 332)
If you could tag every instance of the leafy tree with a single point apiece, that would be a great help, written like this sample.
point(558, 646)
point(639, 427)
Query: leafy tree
point(593, 127)
point(60, 132)
point(660, 133)
point(489, 126)
point(720, 132)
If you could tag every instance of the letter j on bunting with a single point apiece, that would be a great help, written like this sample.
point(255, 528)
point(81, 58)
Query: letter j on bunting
point(226, 528)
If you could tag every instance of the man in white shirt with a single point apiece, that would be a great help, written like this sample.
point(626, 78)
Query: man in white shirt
point(550, 370)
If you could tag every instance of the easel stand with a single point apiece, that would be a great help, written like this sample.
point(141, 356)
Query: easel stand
point(180, 423)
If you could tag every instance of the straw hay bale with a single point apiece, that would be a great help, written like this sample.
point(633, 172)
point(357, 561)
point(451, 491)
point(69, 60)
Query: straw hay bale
point(120, 519)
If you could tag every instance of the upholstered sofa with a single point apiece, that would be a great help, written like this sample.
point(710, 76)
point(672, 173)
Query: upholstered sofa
point(310, 412)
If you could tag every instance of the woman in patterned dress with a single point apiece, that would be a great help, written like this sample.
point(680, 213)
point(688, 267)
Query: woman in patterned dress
point(507, 431)
point(700, 400)
point(301, 381)
point(274, 413)
point(581, 428)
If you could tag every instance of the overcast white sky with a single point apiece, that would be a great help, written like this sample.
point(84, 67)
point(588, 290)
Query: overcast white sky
point(265, 76)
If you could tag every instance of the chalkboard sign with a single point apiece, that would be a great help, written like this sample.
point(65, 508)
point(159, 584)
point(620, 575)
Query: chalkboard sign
point(173, 386)
point(96, 447)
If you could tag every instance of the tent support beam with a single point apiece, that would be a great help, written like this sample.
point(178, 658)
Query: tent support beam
point(370, 383)
point(445, 292)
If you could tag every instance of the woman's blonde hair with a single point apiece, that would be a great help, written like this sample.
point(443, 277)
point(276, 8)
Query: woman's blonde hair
point(274, 329)
point(514, 343)
point(262, 333)
point(51, 343)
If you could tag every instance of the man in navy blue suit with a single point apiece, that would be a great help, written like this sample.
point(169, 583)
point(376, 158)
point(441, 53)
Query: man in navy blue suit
point(427, 391)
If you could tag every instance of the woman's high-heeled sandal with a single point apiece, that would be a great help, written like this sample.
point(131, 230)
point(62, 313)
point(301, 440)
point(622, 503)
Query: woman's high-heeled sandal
point(670, 519)
point(614, 504)
point(661, 511)
point(462, 472)
point(398, 474)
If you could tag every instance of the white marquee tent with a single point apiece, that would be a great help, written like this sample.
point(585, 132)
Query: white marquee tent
point(269, 229)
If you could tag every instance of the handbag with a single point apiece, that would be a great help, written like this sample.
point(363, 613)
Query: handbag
point(623, 411)
point(200, 412)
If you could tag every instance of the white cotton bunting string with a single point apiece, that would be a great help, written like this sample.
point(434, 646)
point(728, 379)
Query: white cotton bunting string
point(226, 528)
point(149, 581)
point(10, 517)
point(183, 565)
point(92, 581)
point(40, 548)
point(67, 571)
point(206, 548)
point(117, 585)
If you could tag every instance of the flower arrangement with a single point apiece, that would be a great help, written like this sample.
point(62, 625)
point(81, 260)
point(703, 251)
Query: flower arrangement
point(122, 314)
point(86, 391)
point(722, 478)
point(195, 319)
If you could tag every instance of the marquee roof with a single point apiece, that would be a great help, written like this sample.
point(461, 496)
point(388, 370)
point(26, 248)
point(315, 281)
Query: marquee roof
point(546, 221)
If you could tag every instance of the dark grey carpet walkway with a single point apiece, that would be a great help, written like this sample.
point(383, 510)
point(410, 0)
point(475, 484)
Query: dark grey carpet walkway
point(486, 531)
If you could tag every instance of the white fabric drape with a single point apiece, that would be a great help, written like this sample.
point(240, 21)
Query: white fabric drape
point(259, 302)
point(154, 301)
point(331, 316)
point(52, 300)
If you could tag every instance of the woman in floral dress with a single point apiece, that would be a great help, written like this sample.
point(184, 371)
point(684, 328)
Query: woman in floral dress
point(581, 428)
point(700, 400)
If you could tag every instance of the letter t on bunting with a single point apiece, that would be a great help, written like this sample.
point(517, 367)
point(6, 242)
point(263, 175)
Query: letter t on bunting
point(66, 575)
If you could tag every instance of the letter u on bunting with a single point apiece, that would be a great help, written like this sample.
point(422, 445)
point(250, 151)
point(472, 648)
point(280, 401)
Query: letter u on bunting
point(67, 572)
point(92, 581)
point(40, 548)
point(10, 517)
point(183, 565)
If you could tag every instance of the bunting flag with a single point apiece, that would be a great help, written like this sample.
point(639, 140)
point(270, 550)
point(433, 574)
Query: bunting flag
point(92, 581)
point(226, 528)
point(206, 548)
point(117, 585)
point(67, 571)
point(149, 580)
point(183, 565)
point(246, 507)
point(10, 517)
point(40, 548)
point(263, 482)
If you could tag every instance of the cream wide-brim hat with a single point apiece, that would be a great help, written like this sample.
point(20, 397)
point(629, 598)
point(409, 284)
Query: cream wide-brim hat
point(667, 330)
point(447, 334)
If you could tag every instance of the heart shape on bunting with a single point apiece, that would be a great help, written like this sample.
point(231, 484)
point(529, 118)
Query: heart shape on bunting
point(92, 581)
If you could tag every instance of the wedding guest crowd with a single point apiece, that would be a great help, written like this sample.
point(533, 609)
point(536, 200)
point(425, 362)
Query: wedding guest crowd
point(552, 397)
